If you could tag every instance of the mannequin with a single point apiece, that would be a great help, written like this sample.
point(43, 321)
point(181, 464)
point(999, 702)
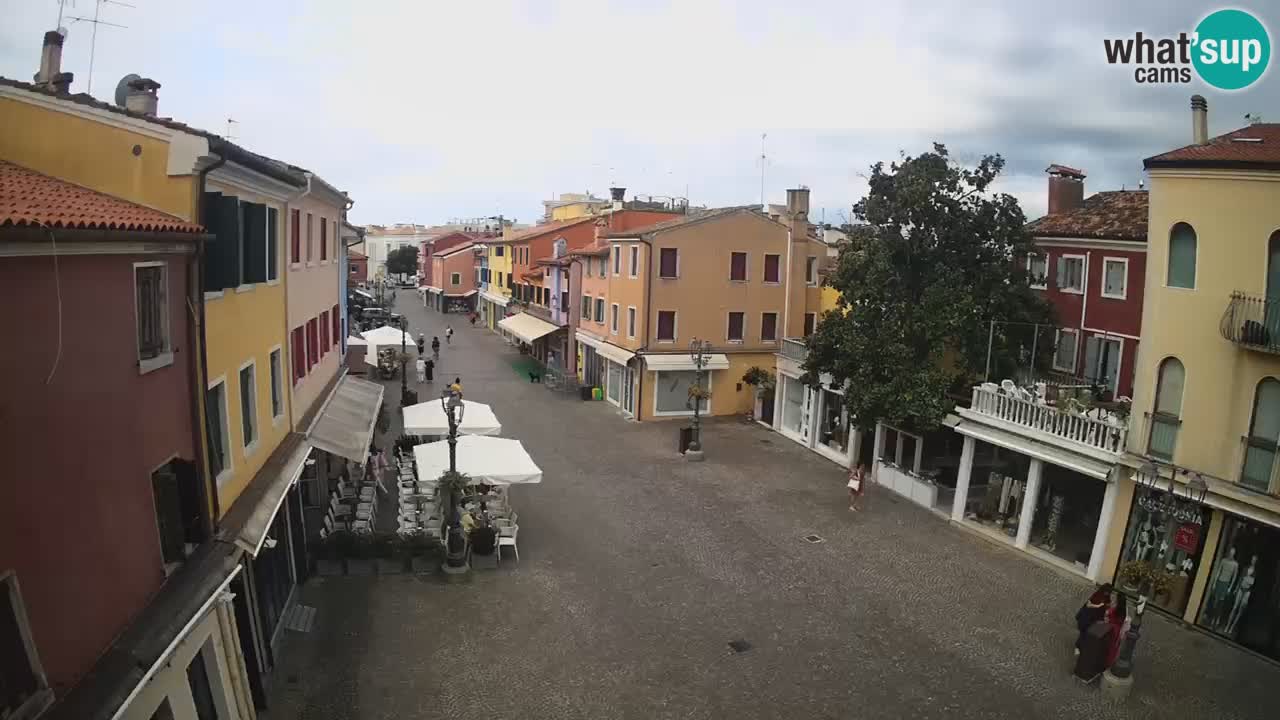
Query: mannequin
point(1223, 578)
point(1146, 538)
point(1242, 595)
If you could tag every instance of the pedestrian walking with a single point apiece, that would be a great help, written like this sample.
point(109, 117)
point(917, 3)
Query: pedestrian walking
point(429, 366)
point(857, 486)
point(448, 334)
point(435, 348)
point(422, 343)
point(473, 319)
point(1093, 610)
point(421, 366)
point(456, 387)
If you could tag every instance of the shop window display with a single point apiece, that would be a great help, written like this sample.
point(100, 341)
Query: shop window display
point(1000, 505)
point(1242, 599)
point(1165, 535)
point(834, 432)
point(1066, 515)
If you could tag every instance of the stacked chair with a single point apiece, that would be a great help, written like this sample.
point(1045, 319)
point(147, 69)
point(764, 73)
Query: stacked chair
point(352, 507)
point(419, 510)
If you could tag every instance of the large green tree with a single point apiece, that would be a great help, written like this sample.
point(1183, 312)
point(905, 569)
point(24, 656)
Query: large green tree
point(939, 258)
point(403, 261)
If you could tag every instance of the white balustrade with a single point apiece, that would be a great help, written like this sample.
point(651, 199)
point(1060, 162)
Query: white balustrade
point(1103, 434)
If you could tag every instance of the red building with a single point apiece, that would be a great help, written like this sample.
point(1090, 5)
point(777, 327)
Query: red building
point(1092, 268)
point(104, 499)
point(357, 267)
point(436, 245)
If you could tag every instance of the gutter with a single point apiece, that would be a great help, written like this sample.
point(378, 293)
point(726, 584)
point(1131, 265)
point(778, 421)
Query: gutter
point(648, 314)
point(199, 368)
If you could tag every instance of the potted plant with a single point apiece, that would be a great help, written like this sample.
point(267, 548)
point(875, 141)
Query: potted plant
point(420, 549)
point(764, 383)
point(385, 548)
point(360, 558)
point(1161, 584)
point(1131, 575)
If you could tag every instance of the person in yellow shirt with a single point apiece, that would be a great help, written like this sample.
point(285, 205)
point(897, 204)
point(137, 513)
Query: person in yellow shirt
point(456, 387)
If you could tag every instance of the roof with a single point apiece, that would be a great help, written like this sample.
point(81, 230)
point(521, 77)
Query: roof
point(1056, 169)
point(597, 248)
point(1110, 215)
point(219, 145)
point(455, 249)
point(356, 255)
point(32, 199)
point(544, 229)
point(1252, 147)
point(690, 219)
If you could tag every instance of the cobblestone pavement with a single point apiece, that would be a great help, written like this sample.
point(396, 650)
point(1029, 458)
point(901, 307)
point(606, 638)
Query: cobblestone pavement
point(637, 569)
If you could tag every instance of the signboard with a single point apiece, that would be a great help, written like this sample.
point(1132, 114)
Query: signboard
point(1165, 504)
point(1187, 538)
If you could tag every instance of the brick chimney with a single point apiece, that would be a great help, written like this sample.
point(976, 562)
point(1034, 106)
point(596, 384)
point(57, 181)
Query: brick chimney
point(797, 219)
point(1199, 120)
point(1066, 188)
point(141, 97)
point(50, 75)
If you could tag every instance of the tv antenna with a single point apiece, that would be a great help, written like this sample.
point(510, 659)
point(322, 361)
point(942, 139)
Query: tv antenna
point(96, 20)
point(230, 123)
point(763, 161)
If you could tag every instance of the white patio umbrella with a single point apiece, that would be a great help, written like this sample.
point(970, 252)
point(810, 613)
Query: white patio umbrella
point(500, 461)
point(428, 418)
point(386, 336)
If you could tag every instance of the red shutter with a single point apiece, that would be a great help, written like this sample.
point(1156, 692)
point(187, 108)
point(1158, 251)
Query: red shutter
point(324, 334)
point(669, 260)
point(666, 325)
point(324, 239)
point(769, 326)
point(295, 233)
point(299, 355)
point(337, 325)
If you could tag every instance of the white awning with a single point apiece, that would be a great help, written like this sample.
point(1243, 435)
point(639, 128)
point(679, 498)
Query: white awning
point(682, 361)
point(431, 289)
point(428, 418)
point(526, 327)
point(619, 355)
point(468, 293)
point(352, 340)
point(490, 459)
point(495, 299)
point(1058, 456)
point(363, 294)
point(344, 426)
point(250, 516)
point(386, 336)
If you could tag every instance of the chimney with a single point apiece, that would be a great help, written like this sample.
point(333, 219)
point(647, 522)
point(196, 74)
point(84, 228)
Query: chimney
point(1199, 120)
point(50, 75)
point(141, 97)
point(617, 194)
point(1066, 188)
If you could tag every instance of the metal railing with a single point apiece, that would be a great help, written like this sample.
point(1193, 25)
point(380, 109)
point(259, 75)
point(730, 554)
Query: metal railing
point(1252, 321)
point(1096, 433)
point(794, 349)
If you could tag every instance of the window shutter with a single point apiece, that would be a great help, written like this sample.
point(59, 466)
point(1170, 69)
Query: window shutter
point(324, 239)
point(1091, 349)
point(738, 266)
point(295, 236)
point(337, 325)
point(255, 243)
point(771, 268)
point(222, 255)
point(164, 485)
point(190, 499)
point(1062, 273)
point(273, 244)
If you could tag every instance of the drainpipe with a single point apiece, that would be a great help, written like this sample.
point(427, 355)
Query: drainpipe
point(786, 296)
point(648, 311)
point(198, 365)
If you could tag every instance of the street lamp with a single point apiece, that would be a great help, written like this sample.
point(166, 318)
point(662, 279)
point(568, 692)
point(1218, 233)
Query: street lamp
point(451, 403)
point(404, 380)
point(698, 352)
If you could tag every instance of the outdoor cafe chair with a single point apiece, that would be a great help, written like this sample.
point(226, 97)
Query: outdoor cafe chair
point(505, 540)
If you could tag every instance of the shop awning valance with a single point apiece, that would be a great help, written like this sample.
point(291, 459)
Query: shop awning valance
point(1058, 456)
point(433, 290)
point(250, 516)
point(619, 355)
point(468, 293)
point(682, 361)
point(492, 459)
point(344, 425)
point(495, 299)
point(526, 327)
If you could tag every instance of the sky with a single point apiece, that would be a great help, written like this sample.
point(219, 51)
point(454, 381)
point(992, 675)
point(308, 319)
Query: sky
point(425, 110)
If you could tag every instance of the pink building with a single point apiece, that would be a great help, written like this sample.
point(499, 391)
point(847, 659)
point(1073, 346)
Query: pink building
point(453, 275)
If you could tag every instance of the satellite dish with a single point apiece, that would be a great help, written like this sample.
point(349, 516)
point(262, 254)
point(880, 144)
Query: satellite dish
point(122, 87)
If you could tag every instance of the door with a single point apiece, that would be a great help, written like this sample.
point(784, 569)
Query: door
point(614, 383)
point(1272, 308)
point(1102, 361)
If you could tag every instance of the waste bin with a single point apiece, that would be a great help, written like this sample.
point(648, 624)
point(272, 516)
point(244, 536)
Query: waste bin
point(1094, 648)
point(686, 438)
point(585, 392)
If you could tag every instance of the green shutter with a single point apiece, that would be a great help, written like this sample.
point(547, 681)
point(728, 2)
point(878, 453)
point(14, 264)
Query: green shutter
point(255, 243)
point(209, 218)
point(273, 244)
point(222, 255)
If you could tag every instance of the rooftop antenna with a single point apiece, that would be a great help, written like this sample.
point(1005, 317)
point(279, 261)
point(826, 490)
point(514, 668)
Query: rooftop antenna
point(95, 21)
point(763, 160)
point(230, 123)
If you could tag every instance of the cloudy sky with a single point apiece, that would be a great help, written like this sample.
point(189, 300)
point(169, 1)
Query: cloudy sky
point(426, 109)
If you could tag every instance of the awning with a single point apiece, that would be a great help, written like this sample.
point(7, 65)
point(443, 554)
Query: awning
point(526, 327)
point(608, 350)
point(432, 289)
point(495, 299)
point(252, 513)
point(428, 418)
point(344, 426)
point(363, 294)
point(492, 459)
point(386, 336)
point(352, 341)
point(682, 361)
point(1032, 448)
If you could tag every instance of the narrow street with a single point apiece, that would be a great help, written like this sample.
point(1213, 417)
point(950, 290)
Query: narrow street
point(638, 569)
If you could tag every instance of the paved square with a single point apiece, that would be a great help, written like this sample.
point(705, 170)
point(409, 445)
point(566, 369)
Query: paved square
point(638, 570)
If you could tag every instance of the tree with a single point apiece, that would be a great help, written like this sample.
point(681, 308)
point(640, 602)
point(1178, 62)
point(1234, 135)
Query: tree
point(403, 261)
point(938, 259)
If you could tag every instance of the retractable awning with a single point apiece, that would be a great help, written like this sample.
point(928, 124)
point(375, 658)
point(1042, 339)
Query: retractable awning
point(526, 327)
point(344, 426)
point(682, 361)
point(619, 355)
point(495, 299)
point(250, 516)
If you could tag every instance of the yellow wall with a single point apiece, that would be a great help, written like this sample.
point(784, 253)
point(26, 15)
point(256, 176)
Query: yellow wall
point(499, 265)
point(576, 210)
point(628, 291)
point(94, 154)
point(1234, 215)
point(828, 300)
point(726, 397)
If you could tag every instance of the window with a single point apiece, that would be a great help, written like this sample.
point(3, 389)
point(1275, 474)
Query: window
point(1115, 278)
point(1071, 274)
point(1264, 433)
point(735, 331)
point(248, 405)
point(150, 282)
point(273, 244)
point(277, 399)
point(738, 267)
point(1182, 257)
point(337, 325)
point(455, 279)
point(617, 260)
point(772, 268)
point(24, 691)
point(324, 239)
point(769, 326)
point(298, 349)
point(586, 307)
point(810, 322)
point(324, 334)
point(1038, 271)
point(811, 270)
point(313, 344)
point(634, 264)
point(564, 301)
point(1064, 350)
point(1167, 416)
point(668, 263)
point(308, 237)
point(295, 236)
point(1102, 361)
point(631, 322)
point(613, 318)
point(175, 490)
point(671, 394)
point(666, 325)
point(600, 310)
point(215, 403)
point(604, 267)
point(498, 250)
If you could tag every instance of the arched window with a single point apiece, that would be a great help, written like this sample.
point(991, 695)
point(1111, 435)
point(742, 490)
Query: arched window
point(1182, 256)
point(1167, 416)
point(1264, 432)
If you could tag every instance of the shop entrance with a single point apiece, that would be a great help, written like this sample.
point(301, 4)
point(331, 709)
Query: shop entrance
point(1066, 515)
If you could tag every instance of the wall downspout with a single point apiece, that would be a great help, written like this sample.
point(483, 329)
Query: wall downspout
point(199, 366)
point(786, 297)
point(648, 311)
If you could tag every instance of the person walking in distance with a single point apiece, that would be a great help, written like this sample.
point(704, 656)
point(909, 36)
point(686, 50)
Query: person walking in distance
point(429, 367)
point(857, 486)
point(435, 347)
point(456, 387)
point(421, 366)
point(448, 334)
point(422, 344)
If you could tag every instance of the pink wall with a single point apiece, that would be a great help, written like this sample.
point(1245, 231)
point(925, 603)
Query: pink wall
point(462, 262)
point(77, 523)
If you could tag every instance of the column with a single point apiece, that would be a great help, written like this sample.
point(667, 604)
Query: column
point(855, 447)
point(915, 461)
point(1029, 495)
point(875, 450)
point(1104, 526)
point(962, 479)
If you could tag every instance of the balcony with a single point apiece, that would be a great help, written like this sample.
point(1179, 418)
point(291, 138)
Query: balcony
point(794, 349)
point(1094, 429)
point(1252, 322)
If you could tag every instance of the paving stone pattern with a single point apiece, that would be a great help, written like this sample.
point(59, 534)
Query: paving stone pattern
point(638, 570)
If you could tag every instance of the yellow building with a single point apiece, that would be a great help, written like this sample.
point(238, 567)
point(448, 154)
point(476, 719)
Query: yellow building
point(1206, 405)
point(570, 206)
point(495, 293)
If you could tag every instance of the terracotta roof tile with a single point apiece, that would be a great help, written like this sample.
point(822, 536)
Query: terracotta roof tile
point(1056, 169)
point(688, 219)
point(1254, 146)
point(1111, 215)
point(32, 199)
point(539, 230)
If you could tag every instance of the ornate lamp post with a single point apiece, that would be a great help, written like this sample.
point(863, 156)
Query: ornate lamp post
point(455, 562)
point(698, 352)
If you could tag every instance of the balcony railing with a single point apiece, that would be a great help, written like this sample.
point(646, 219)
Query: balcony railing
point(1253, 322)
point(793, 349)
point(1106, 433)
